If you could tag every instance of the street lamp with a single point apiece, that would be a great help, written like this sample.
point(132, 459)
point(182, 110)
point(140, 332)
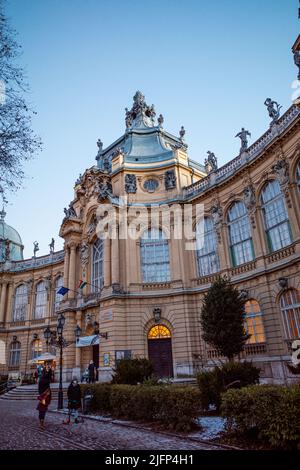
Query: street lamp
point(60, 326)
point(77, 332)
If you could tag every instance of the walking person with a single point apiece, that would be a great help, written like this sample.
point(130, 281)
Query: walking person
point(44, 399)
point(74, 400)
point(92, 372)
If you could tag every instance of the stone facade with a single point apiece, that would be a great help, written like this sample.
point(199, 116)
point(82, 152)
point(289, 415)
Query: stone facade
point(123, 302)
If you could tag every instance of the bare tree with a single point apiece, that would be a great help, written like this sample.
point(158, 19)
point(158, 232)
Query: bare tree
point(18, 142)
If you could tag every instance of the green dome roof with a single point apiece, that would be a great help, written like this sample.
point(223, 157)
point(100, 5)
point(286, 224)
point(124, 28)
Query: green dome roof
point(11, 246)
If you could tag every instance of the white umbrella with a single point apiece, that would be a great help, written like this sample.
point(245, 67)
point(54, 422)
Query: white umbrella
point(43, 357)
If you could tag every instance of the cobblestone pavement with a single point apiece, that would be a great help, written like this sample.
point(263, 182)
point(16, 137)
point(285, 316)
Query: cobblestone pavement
point(19, 430)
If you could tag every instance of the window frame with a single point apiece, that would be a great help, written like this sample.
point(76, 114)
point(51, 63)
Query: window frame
point(235, 227)
point(97, 281)
point(40, 307)
point(154, 271)
point(19, 305)
point(293, 308)
point(15, 352)
point(209, 234)
point(253, 317)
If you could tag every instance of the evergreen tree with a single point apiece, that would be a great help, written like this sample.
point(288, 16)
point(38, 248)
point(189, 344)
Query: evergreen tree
point(223, 319)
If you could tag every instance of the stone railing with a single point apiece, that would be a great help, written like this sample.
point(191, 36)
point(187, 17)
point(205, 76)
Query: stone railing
point(156, 285)
point(38, 262)
point(280, 254)
point(243, 268)
point(255, 349)
point(199, 281)
point(252, 152)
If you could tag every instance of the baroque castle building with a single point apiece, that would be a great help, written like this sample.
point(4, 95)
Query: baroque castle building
point(144, 293)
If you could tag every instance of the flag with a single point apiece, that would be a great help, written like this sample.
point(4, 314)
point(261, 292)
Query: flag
point(82, 284)
point(63, 290)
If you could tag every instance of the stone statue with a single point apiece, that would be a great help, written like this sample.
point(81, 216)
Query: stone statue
point(79, 180)
point(92, 226)
point(104, 190)
point(170, 179)
point(244, 141)
point(99, 145)
point(211, 163)
point(84, 253)
point(35, 248)
point(130, 183)
point(70, 212)
point(281, 170)
point(107, 164)
point(216, 213)
point(128, 118)
point(51, 245)
point(182, 133)
point(160, 120)
point(249, 197)
point(273, 109)
point(297, 62)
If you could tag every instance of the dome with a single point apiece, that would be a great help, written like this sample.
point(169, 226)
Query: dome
point(11, 246)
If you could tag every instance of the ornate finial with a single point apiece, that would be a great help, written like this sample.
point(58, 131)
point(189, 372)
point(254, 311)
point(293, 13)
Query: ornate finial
point(244, 141)
point(182, 133)
point(160, 120)
point(211, 162)
point(140, 115)
point(273, 109)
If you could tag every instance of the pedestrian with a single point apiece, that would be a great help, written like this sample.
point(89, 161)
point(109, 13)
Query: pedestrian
point(74, 400)
point(92, 372)
point(52, 373)
point(44, 400)
point(40, 369)
point(47, 372)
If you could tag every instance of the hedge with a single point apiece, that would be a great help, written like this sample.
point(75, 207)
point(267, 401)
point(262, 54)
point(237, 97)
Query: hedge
point(230, 375)
point(173, 407)
point(271, 412)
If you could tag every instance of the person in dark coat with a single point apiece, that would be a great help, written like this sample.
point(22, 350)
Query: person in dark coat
point(44, 400)
point(92, 372)
point(74, 400)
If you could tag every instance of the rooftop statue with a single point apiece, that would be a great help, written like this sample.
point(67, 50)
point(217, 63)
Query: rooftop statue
point(51, 246)
point(35, 248)
point(160, 120)
point(182, 133)
point(211, 162)
point(140, 115)
point(244, 141)
point(297, 62)
point(273, 109)
point(70, 212)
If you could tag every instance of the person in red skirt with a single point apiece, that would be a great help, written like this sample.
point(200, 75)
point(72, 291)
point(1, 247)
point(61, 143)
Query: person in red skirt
point(44, 399)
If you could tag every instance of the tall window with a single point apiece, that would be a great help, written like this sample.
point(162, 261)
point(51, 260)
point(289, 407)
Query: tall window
point(155, 261)
point(40, 308)
point(241, 245)
point(36, 349)
point(275, 217)
point(298, 176)
point(97, 268)
point(58, 297)
point(290, 309)
point(15, 353)
point(207, 256)
point(21, 302)
point(254, 322)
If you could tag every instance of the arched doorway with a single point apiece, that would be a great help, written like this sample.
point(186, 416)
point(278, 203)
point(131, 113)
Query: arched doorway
point(160, 350)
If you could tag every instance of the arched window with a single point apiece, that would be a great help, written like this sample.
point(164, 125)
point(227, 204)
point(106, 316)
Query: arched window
point(240, 238)
point(298, 176)
point(97, 267)
point(275, 217)
point(158, 332)
point(15, 353)
point(207, 256)
point(290, 309)
point(20, 303)
point(254, 322)
point(36, 349)
point(40, 308)
point(58, 297)
point(155, 261)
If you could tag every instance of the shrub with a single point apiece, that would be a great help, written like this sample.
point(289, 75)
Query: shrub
point(132, 371)
point(173, 407)
point(232, 374)
point(271, 412)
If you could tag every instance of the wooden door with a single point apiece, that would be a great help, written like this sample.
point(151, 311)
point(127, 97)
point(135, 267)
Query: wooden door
point(160, 354)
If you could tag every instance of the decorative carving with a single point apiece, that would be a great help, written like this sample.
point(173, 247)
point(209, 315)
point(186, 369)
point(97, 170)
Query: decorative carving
point(92, 226)
point(151, 185)
point(170, 179)
point(250, 201)
point(211, 162)
point(140, 114)
point(35, 248)
point(280, 168)
point(103, 189)
point(70, 212)
point(217, 216)
point(297, 62)
point(84, 253)
point(244, 141)
point(244, 294)
point(160, 120)
point(130, 183)
point(79, 180)
point(273, 109)
point(7, 249)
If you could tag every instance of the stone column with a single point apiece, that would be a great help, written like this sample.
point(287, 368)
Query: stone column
point(72, 271)
point(107, 262)
point(8, 316)
point(77, 369)
point(66, 268)
point(3, 301)
point(115, 279)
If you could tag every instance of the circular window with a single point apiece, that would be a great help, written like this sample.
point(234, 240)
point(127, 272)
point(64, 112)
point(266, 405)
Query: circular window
point(151, 185)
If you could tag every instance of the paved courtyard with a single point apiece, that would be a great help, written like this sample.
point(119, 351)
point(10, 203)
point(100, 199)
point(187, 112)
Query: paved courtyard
point(19, 430)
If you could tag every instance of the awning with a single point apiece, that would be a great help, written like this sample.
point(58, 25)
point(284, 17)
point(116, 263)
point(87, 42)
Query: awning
point(84, 341)
point(43, 357)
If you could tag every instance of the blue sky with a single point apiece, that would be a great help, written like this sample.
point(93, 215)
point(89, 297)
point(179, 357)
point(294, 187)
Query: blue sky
point(207, 65)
